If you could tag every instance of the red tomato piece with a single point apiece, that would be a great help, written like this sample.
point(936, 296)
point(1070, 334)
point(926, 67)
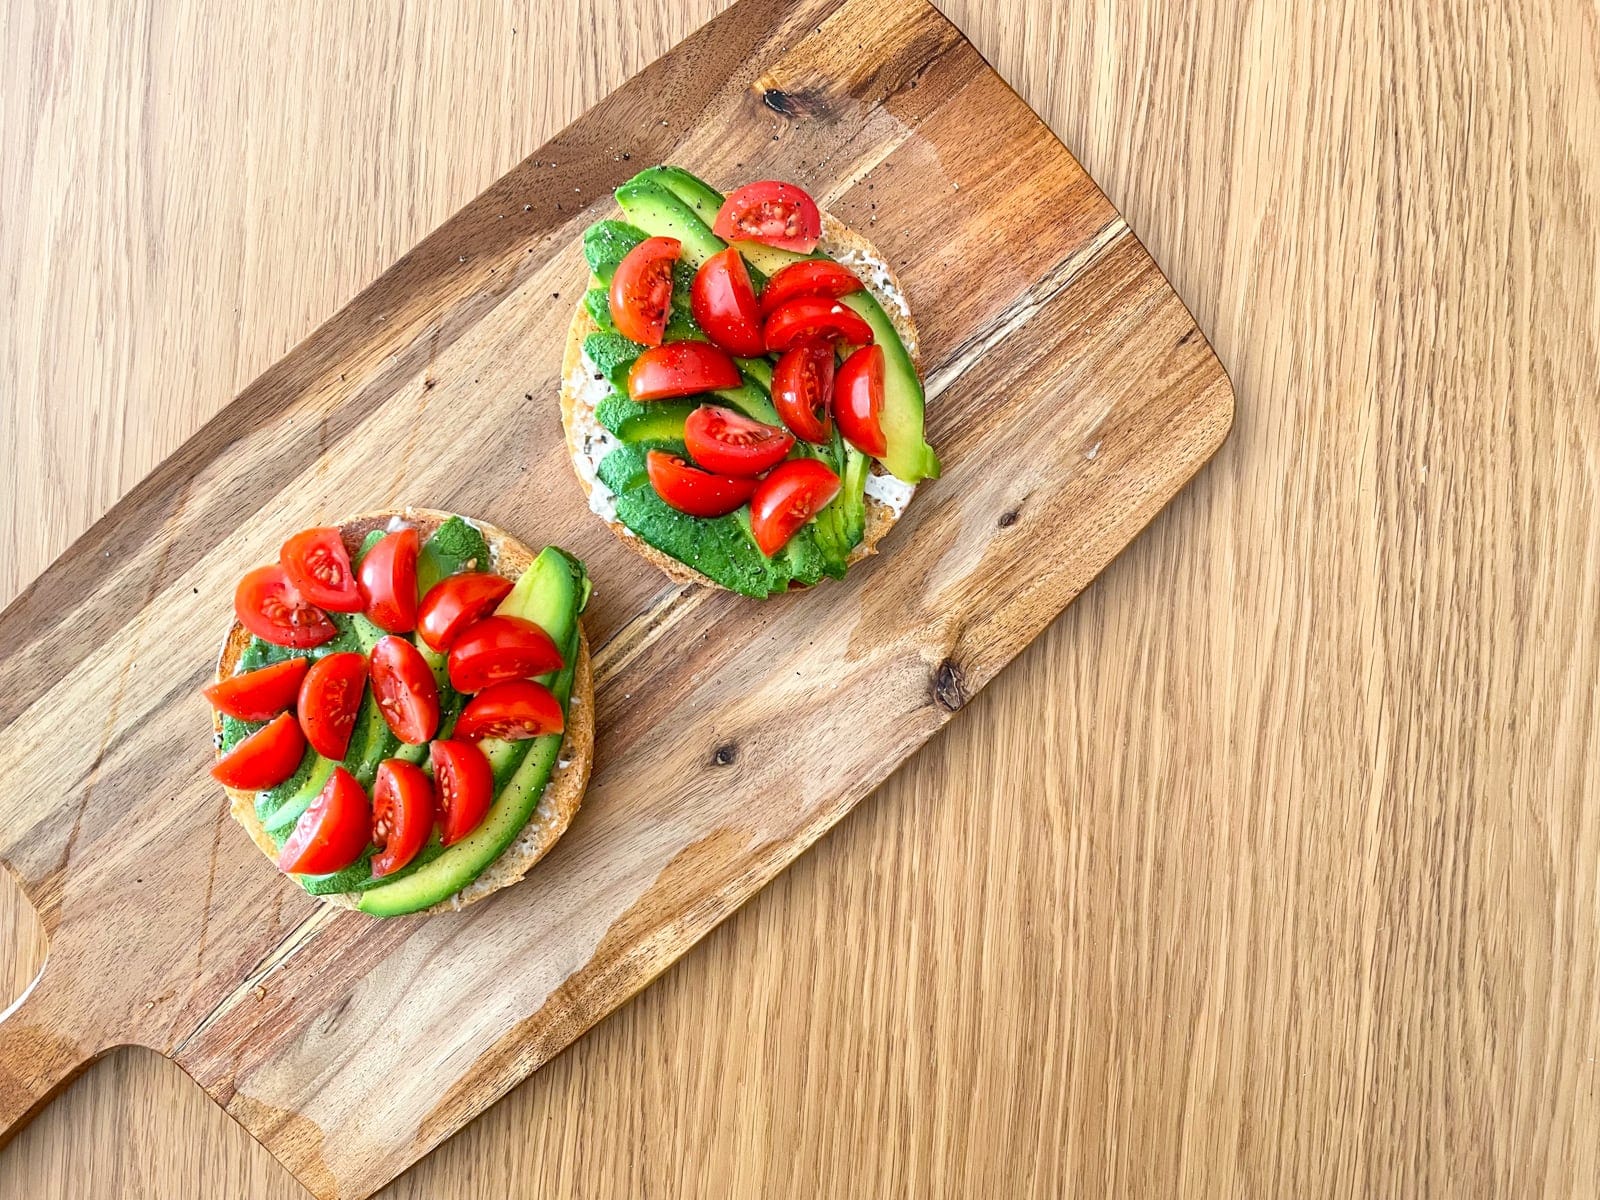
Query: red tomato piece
point(810, 277)
point(511, 711)
point(389, 582)
point(264, 759)
point(258, 695)
point(681, 369)
point(465, 784)
point(319, 567)
point(641, 290)
point(724, 304)
point(332, 833)
point(267, 604)
point(405, 689)
point(775, 213)
point(500, 648)
point(795, 492)
point(730, 443)
point(815, 319)
point(693, 491)
point(329, 698)
point(802, 389)
point(858, 401)
point(456, 602)
point(402, 815)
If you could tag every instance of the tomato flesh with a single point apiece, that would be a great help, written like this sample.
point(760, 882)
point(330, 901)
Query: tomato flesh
point(814, 319)
point(264, 759)
point(319, 567)
point(795, 492)
point(730, 443)
point(329, 698)
point(465, 784)
point(389, 582)
point(268, 605)
point(258, 695)
point(456, 602)
point(511, 712)
point(641, 290)
point(802, 387)
point(724, 304)
point(402, 815)
point(858, 401)
point(500, 648)
point(681, 369)
point(772, 212)
point(810, 277)
point(332, 833)
point(691, 490)
point(405, 689)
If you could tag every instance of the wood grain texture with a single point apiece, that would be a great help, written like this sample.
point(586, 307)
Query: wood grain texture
point(1269, 871)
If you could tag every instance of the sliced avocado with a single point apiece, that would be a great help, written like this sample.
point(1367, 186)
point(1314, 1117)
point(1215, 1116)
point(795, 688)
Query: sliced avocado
point(751, 398)
point(457, 545)
point(757, 370)
point(659, 422)
point(606, 243)
point(909, 456)
point(659, 213)
point(851, 503)
point(692, 190)
point(769, 260)
point(280, 807)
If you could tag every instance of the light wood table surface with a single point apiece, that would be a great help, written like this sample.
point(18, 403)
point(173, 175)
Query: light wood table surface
point(1272, 870)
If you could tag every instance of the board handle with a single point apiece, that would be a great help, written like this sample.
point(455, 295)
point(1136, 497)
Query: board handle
point(37, 1059)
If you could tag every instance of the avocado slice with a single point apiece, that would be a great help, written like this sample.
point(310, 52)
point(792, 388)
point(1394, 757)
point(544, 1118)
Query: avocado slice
point(699, 195)
point(659, 213)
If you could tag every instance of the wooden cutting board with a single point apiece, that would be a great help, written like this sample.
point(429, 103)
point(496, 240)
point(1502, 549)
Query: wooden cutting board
point(1071, 396)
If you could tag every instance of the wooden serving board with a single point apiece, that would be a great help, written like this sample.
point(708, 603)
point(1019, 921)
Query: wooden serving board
point(1070, 396)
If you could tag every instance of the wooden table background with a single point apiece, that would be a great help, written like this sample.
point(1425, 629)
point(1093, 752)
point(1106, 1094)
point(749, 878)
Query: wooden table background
point(1269, 871)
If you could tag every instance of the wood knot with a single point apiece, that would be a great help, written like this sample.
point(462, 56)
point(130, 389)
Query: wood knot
point(725, 755)
point(778, 101)
point(949, 687)
point(1008, 518)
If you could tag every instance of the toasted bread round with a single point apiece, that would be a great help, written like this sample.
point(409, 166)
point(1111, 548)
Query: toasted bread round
point(579, 423)
point(562, 795)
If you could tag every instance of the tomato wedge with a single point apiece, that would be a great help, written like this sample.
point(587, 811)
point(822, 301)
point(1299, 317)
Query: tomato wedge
point(511, 711)
point(730, 443)
point(693, 491)
point(329, 698)
point(802, 388)
point(332, 833)
point(500, 648)
point(402, 815)
point(389, 582)
point(772, 212)
point(258, 695)
point(858, 401)
point(814, 319)
point(405, 690)
point(456, 602)
point(810, 277)
point(724, 304)
point(264, 759)
point(641, 290)
point(267, 604)
point(465, 784)
point(795, 492)
point(316, 563)
point(681, 369)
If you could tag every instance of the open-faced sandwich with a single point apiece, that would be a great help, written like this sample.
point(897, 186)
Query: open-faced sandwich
point(404, 709)
point(740, 392)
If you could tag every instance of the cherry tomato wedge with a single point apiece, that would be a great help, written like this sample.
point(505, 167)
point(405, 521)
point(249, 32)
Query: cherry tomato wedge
point(802, 390)
point(858, 401)
point(500, 648)
point(465, 784)
point(264, 759)
point(389, 582)
point(693, 491)
point(319, 567)
point(267, 604)
point(814, 319)
point(641, 290)
point(456, 602)
point(511, 711)
point(329, 698)
point(795, 492)
point(730, 443)
point(772, 212)
point(405, 690)
point(402, 815)
point(681, 369)
point(810, 277)
point(332, 833)
point(724, 304)
point(259, 695)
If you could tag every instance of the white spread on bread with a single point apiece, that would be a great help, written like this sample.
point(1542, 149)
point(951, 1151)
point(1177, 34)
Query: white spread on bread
point(590, 439)
point(894, 494)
